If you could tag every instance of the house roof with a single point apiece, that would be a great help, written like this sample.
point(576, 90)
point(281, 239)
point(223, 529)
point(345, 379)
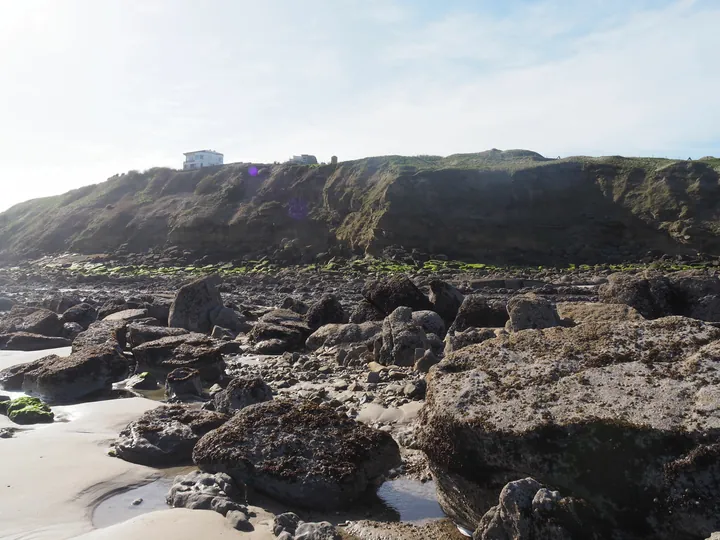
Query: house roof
point(198, 151)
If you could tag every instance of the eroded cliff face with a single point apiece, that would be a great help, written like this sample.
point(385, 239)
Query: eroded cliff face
point(497, 207)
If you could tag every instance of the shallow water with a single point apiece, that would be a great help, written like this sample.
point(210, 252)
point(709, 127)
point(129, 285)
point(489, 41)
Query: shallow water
point(411, 500)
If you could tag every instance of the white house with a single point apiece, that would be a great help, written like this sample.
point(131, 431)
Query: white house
point(304, 159)
point(202, 158)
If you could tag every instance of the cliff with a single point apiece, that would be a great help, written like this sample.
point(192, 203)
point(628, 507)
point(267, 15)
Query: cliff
point(507, 207)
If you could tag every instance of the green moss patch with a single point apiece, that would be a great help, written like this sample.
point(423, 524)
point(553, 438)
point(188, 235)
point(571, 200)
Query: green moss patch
point(29, 410)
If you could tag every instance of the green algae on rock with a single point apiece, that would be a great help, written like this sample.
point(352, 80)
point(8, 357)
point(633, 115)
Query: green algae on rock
point(28, 410)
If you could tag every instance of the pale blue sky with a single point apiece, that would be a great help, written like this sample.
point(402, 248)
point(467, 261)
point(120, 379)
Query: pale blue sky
point(91, 88)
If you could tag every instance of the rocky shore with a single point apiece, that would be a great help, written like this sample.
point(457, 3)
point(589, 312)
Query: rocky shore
point(557, 404)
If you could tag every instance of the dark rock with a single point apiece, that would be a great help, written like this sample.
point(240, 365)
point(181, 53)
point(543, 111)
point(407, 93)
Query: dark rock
point(12, 378)
point(112, 306)
point(6, 304)
point(299, 453)
point(110, 333)
point(23, 341)
point(194, 304)
point(316, 531)
point(366, 312)
point(142, 381)
point(623, 415)
point(327, 310)
point(230, 319)
point(446, 300)
point(31, 321)
point(202, 491)
point(478, 311)
point(430, 322)
point(286, 523)
point(334, 335)
point(222, 333)
point(527, 510)
point(649, 293)
point(239, 521)
point(529, 311)
point(29, 410)
point(88, 371)
point(293, 304)
point(240, 393)
point(193, 350)
point(428, 360)
point(400, 338)
point(287, 327)
point(71, 330)
point(82, 314)
point(183, 384)
point(137, 334)
point(165, 436)
point(393, 292)
point(60, 303)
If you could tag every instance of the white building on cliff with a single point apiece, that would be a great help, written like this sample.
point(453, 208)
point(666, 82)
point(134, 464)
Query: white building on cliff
point(202, 158)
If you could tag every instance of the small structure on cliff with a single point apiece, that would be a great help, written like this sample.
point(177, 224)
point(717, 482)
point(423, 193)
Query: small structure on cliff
point(303, 159)
point(202, 158)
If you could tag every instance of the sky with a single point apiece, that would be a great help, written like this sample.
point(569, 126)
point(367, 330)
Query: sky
point(91, 88)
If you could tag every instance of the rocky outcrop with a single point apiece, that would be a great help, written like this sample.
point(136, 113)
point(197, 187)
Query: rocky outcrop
point(471, 336)
point(11, 378)
point(529, 511)
point(193, 350)
point(574, 210)
point(391, 293)
point(23, 341)
point(530, 311)
point(344, 335)
point(596, 312)
point(203, 491)
point(327, 310)
point(299, 453)
point(165, 436)
point(622, 415)
point(240, 393)
point(89, 371)
point(400, 338)
point(195, 303)
point(478, 311)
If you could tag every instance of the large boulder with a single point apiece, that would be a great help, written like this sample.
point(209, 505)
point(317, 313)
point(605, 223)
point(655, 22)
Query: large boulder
point(226, 317)
point(366, 312)
point(401, 336)
point(183, 384)
point(112, 306)
point(623, 415)
point(479, 311)
point(83, 314)
point(11, 378)
point(60, 302)
point(446, 300)
point(165, 436)
point(295, 304)
point(137, 334)
point(430, 322)
point(287, 328)
point(344, 335)
point(88, 371)
point(530, 311)
point(23, 341)
point(527, 510)
point(299, 453)
point(582, 312)
point(31, 320)
point(195, 303)
point(240, 393)
point(327, 310)
point(393, 292)
point(193, 350)
point(28, 410)
point(111, 333)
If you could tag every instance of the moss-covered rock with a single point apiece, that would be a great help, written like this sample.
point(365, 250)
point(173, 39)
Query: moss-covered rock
point(28, 410)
